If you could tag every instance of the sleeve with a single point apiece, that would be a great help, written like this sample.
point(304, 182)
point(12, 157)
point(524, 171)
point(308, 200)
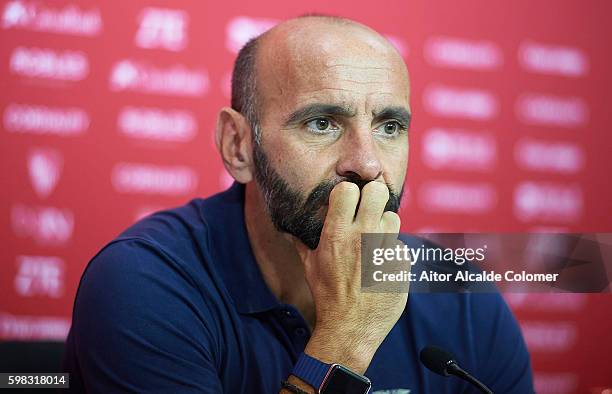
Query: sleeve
point(504, 362)
point(140, 325)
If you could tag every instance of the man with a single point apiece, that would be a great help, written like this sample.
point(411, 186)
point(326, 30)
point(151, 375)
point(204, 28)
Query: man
point(260, 284)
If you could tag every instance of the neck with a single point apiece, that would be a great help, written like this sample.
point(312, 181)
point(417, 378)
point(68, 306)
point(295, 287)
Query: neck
point(276, 257)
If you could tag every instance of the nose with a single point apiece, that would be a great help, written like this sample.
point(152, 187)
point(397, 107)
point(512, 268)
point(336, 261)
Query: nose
point(359, 157)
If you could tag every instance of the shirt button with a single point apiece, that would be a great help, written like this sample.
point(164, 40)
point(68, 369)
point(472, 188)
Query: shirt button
point(287, 313)
point(300, 331)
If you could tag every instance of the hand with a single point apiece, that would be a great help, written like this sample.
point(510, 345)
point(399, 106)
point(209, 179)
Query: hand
point(350, 323)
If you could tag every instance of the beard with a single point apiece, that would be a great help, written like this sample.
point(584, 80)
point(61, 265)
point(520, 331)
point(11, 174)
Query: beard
point(295, 214)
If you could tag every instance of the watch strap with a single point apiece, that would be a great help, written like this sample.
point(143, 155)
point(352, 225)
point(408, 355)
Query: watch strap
point(292, 388)
point(311, 370)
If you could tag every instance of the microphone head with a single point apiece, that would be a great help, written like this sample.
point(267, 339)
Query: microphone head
point(436, 359)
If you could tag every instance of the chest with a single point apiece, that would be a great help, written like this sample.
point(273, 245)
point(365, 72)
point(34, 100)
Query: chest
point(264, 349)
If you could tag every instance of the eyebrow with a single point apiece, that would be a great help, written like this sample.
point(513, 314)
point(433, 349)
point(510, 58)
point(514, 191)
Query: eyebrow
point(399, 113)
point(320, 109)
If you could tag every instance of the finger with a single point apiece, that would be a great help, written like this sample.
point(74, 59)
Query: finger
point(390, 223)
point(387, 230)
point(374, 197)
point(343, 201)
point(400, 263)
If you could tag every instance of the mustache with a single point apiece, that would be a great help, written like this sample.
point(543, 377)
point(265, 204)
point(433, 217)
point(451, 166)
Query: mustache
point(319, 196)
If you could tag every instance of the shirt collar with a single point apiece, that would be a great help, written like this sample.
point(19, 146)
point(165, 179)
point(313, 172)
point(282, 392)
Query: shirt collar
point(232, 254)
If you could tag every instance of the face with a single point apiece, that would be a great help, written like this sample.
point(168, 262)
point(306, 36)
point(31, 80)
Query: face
point(334, 104)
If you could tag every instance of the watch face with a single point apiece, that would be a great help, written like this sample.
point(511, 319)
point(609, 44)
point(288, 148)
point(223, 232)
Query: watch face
point(344, 381)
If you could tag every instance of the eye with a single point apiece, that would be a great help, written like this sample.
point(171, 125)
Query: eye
point(391, 128)
point(321, 125)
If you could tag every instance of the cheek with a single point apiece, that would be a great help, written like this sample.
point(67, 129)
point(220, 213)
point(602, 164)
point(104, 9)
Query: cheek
point(295, 165)
point(395, 162)
point(305, 165)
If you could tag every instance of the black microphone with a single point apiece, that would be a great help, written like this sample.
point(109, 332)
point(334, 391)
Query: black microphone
point(442, 362)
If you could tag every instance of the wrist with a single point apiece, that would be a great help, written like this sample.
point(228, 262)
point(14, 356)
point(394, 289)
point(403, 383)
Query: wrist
point(327, 378)
point(333, 348)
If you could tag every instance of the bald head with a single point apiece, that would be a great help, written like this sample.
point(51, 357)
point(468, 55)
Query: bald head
point(311, 30)
point(305, 53)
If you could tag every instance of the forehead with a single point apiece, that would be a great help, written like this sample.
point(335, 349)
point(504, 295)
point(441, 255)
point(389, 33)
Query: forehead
point(330, 63)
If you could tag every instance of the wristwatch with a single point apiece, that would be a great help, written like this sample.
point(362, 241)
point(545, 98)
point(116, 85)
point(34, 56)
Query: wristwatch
point(330, 378)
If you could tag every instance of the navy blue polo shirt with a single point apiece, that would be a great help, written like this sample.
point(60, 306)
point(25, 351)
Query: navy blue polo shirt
point(177, 304)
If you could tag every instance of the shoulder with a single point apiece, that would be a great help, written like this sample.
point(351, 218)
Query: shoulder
point(158, 265)
point(173, 229)
point(161, 242)
point(141, 321)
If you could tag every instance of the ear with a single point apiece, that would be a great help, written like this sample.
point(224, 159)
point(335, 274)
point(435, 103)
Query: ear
point(233, 139)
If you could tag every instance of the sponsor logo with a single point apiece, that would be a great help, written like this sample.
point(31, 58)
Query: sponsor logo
point(153, 179)
point(33, 327)
point(539, 109)
point(553, 59)
point(44, 168)
point(141, 77)
point(458, 149)
point(555, 383)
point(49, 64)
point(464, 54)
point(558, 157)
point(460, 103)
point(46, 225)
point(241, 29)
point(40, 119)
point(546, 201)
point(157, 124)
point(555, 336)
point(37, 16)
point(162, 28)
point(438, 196)
point(554, 302)
point(40, 276)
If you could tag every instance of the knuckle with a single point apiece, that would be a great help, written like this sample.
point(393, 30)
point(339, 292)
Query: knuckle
point(335, 231)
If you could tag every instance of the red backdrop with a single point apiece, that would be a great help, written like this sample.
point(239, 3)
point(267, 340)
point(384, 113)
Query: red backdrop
point(108, 110)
